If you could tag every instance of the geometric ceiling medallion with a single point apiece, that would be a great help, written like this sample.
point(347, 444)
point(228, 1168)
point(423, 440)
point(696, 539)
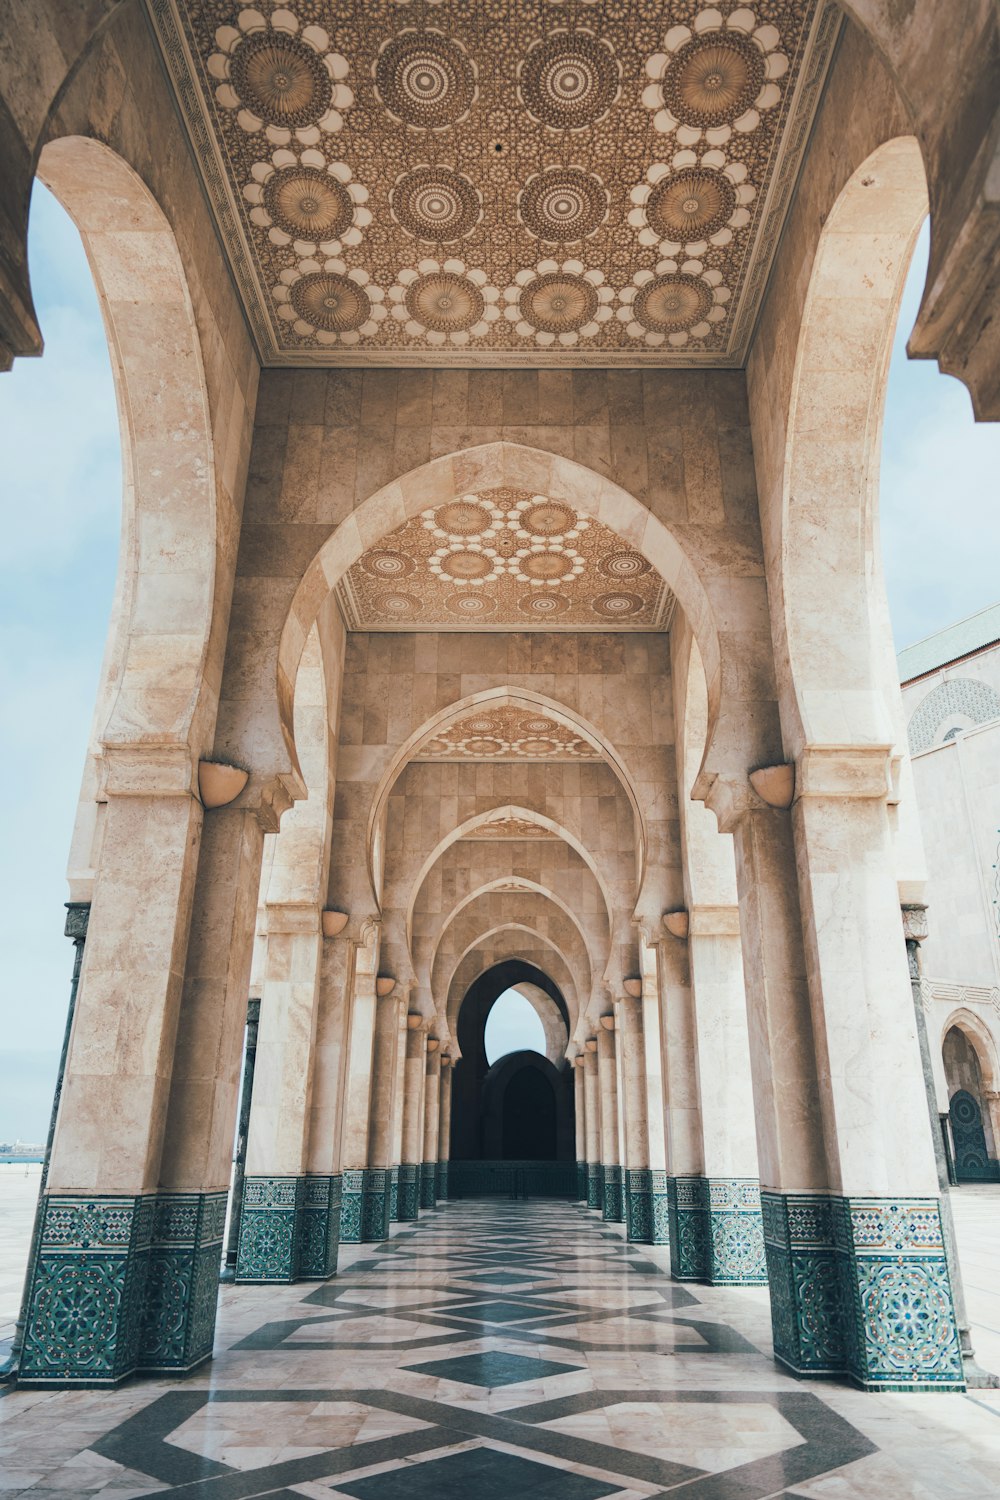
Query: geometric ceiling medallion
point(715, 77)
point(503, 559)
point(614, 134)
point(556, 302)
point(279, 78)
point(436, 203)
point(329, 303)
point(671, 303)
point(674, 304)
point(569, 80)
point(425, 79)
point(563, 204)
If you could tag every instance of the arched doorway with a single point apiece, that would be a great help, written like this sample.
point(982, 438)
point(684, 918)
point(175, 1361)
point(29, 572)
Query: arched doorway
point(512, 1122)
point(973, 1144)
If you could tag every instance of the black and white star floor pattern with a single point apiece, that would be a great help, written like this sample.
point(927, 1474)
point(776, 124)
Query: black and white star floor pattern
point(496, 1350)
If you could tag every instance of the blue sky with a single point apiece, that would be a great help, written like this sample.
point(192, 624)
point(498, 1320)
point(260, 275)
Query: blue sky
point(59, 436)
point(511, 1026)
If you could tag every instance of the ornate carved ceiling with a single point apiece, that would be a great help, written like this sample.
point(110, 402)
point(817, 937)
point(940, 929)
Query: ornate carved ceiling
point(503, 559)
point(499, 181)
point(507, 733)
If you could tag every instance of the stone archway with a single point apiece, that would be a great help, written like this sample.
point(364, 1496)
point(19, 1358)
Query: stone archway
point(970, 1074)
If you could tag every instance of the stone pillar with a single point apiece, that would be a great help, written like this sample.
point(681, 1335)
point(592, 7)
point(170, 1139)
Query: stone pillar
point(852, 1223)
point(734, 1236)
point(375, 1225)
point(89, 1317)
point(397, 1110)
point(274, 1243)
point(358, 1188)
point(610, 1156)
point(409, 1167)
point(580, 1122)
point(432, 1120)
point(688, 1217)
point(655, 1103)
point(592, 1101)
point(637, 1185)
point(326, 1103)
point(444, 1127)
point(242, 1132)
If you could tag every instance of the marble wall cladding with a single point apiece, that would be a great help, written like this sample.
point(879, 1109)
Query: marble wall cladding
point(861, 1287)
point(121, 1285)
point(613, 1207)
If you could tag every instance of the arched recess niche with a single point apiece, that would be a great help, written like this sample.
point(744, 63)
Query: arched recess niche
point(162, 666)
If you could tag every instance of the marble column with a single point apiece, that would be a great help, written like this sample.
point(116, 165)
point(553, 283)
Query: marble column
point(687, 1210)
point(89, 1315)
point(432, 1121)
point(637, 1186)
point(331, 1052)
point(282, 1236)
point(409, 1167)
point(358, 1188)
point(444, 1127)
point(580, 1122)
point(852, 1224)
point(734, 1236)
point(378, 1200)
point(655, 1100)
point(610, 1151)
point(592, 1101)
point(397, 1110)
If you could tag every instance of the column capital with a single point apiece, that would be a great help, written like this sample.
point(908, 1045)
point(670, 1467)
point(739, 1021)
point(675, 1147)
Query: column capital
point(77, 918)
point(915, 925)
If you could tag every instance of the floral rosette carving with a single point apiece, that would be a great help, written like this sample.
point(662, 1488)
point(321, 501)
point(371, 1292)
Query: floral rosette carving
point(444, 302)
point(691, 203)
point(714, 77)
point(673, 304)
point(326, 301)
point(280, 77)
point(557, 302)
point(305, 201)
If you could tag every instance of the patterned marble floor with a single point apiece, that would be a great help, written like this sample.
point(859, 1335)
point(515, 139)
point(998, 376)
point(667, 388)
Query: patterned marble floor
point(498, 1349)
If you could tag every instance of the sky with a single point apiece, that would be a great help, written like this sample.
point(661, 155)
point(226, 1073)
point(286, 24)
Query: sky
point(513, 1025)
point(62, 488)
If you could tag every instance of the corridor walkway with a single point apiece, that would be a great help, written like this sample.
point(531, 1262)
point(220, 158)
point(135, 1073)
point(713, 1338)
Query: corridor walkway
point(498, 1349)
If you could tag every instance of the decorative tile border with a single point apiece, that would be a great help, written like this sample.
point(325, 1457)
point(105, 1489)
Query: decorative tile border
point(661, 1206)
point(860, 1286)
point(442, 1180)
point(639, 1205)
point(614, 1209)
point(320, 1231)
point(84, 1309)
point(688, 1228)
point(122, 1284)
point(735, 1235)
point(270, 1228)
point(351, 1185)
point(428, 1184)
point(595, 1185)
point(409, 1192)
point(581, 1181)
point(393, 1194)
point(182, 1280)
point(375, 1205)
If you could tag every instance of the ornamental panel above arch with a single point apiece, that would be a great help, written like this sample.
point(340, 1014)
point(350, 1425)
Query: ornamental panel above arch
point(498, 947)
point(528, 911)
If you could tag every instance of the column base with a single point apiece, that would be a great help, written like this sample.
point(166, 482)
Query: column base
point(661, 1208)
point(428, 1184)
point(614, 1210)
point(270, 1229)
point(122, 1284)
point(442, 1180)
point(581, 1181)
point(860, 1287)
point(394, 1194)
point(638, 1206)
point(320, 1234)
point(375, 1205)
point(409, 1192)
point(595, 1185)
point(716, 1235)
